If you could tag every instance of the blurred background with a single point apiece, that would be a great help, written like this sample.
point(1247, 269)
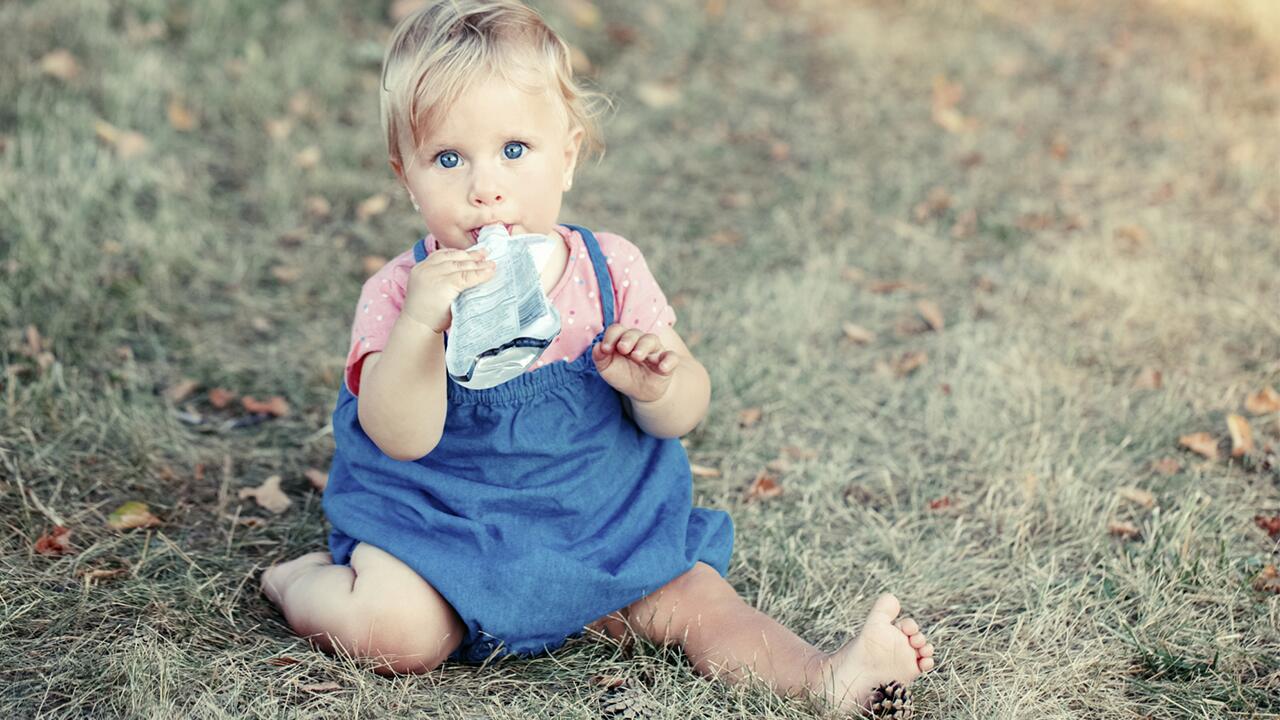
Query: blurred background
point(988, 291)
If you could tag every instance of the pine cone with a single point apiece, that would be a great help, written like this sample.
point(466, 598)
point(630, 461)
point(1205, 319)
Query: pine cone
point(890, 700)
point(624, 703)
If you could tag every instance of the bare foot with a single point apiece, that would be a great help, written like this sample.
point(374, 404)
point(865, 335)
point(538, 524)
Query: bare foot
point(882, 652)
point(278, 577)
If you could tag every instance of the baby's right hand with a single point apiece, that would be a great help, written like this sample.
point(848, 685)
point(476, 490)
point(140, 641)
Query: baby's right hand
point(435, 282)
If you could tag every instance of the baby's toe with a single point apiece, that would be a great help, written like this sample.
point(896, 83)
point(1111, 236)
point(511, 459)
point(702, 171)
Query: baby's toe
point(918, 641)
point(908, 626)
point(926, 664)
point(926, 651)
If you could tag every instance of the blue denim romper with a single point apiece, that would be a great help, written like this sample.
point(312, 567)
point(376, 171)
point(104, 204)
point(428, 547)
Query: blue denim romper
point(543, 507)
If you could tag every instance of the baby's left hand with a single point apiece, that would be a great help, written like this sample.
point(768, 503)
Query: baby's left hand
point(635, 363)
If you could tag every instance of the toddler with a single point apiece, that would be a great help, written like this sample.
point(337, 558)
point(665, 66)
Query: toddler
point(470, 524)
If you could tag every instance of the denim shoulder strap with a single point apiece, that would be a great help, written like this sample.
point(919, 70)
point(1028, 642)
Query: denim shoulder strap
point(420, 250)
point(601, 266)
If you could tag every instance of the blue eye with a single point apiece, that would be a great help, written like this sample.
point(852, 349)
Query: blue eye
point(513, 150)
point(448, 159)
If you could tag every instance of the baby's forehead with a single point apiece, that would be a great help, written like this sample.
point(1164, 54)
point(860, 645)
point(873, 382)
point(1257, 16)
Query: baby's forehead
point(497, 99)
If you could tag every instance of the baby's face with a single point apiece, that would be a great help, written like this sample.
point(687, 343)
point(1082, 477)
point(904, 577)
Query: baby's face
point(499, 155)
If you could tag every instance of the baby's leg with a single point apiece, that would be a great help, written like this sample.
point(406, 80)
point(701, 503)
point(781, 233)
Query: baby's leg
point(377, 608)
point(726, 638)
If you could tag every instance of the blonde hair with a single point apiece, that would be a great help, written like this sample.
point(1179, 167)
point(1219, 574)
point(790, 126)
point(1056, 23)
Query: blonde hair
point(436, 53)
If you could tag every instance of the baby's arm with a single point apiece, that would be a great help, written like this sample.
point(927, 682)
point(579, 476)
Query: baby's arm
point(402, 391)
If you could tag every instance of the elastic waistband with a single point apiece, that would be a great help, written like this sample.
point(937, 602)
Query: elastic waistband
point(527, 386)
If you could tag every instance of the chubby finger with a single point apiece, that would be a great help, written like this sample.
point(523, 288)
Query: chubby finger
point(665, 362)
point(611, 335)
point(645, 346)
point(623, 340)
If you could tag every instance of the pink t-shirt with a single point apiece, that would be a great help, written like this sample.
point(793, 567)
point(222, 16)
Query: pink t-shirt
point(638, 301)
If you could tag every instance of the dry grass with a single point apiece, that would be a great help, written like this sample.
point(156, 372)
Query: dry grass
point(1120, 172)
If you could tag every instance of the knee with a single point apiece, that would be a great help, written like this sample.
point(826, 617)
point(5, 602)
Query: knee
point(664, 615)
point(401, 639)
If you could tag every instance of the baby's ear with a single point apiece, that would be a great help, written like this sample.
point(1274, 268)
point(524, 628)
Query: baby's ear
point(571, 149)
point(397, 168)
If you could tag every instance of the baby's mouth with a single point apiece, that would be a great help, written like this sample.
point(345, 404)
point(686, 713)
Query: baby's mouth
point(475, 232)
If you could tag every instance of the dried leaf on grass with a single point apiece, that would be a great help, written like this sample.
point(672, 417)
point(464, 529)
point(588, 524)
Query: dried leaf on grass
point(268, 495)
point(56, 542)
point(749, 417)
point(1241, 435)
point(133, 514)
point(704, 471)
point(932, 314)
point(940, 503)
point(1148, 378)
point(1138, 496)
point(1268, 580)
point(858, 334)
point(764, 487)
point(1123, 529)
point(181, 117)
point(1265, 401)
point(908, 363)
point(60, 64)
point(180, 390)
point(307, 158)
point(1202, 442)
point(372, 206)
point(1270, 523)
point(221, 397)
point(1167, 466)
point(126, 143)
point(275, 406)
point(283, 661)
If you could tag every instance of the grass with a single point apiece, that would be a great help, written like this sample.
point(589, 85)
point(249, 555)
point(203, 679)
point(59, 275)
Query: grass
point(1089, 119)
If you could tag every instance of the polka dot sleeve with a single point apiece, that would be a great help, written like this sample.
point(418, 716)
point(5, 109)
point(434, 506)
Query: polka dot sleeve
point(380, 301)
point(638, 299)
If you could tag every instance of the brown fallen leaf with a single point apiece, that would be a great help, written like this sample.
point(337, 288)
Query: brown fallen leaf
point(1241, 435)
point(946, 95)
point(714, 9)
point(126, 143)
point(93, 575)
point(749, 417)
point(1265, 401)
point(268, 495)
point(858, 334)
point(1137, 496)
point(1148, 378)
point(908, 363)
point(372, 206)
point(133, 514)
point(1202, 443)
point(56, 542)
point(275, 406)
point(764, 487)
point(283, 661)
point(181, 117)
point(180, 390)
point(940, 503)
point(932, 314)
point(1270, 523)
point(704, 471)
point(1123, 529)
point(221, 397)
point(937, 203)
point(778, 465)
point(1268, 580)
point(1167, 466)
point(725, 238)
point(319, 479)
point(608, 680)
point(60, 64)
